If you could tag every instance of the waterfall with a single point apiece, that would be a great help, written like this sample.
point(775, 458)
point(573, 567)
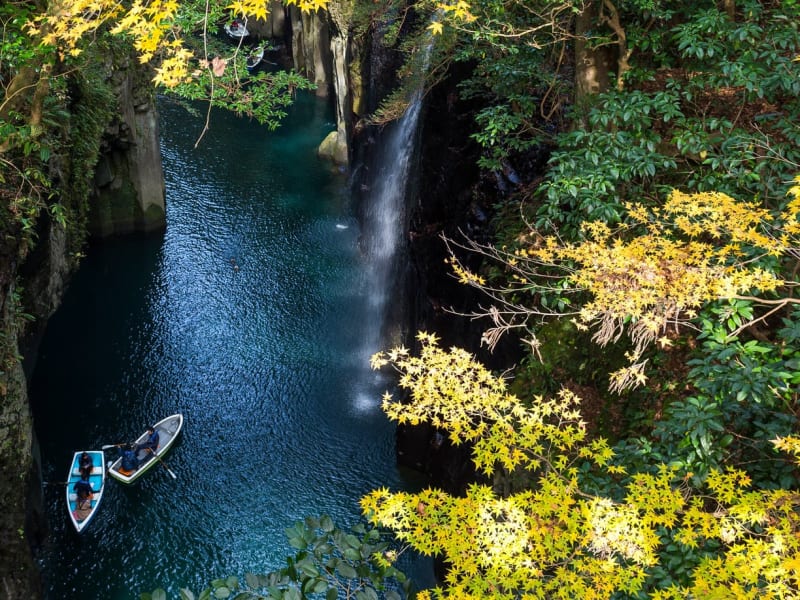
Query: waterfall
point(385, 223)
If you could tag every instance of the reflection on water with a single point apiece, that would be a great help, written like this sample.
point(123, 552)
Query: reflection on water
point(247, 317)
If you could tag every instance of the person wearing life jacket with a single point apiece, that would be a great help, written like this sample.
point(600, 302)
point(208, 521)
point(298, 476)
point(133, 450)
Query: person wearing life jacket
point(129, 461)
point(83, 504)
point(83, 485)
point(85, 461)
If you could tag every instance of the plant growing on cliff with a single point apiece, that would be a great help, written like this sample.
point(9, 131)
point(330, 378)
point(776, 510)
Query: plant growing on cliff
point(588, 526)
point(9, 353)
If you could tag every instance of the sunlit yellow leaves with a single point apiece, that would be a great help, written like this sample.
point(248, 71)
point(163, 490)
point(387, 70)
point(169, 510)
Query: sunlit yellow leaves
point(698, 524)
point(458, 9)
point(727, 485)
point(656, 496)
point(149, 23)
point(629, 376)
point(658, 269)
point(790, 444)
point(249, 8)
point(790, 214)
point(554, 539)
point(448, 387)
point(309, 5)
point(174, 69)
point(598, 451)
point(451, 391)
point(617, 530)
point(646, 279)
point(464, 275)
point(435, 28)
point(67, 22)
point(718, 215)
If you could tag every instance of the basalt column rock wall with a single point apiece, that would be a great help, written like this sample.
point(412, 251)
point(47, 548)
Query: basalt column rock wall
point(343, 67)
point(107, 175)
point(128, 191)
point(323, 48)
point(18, 575)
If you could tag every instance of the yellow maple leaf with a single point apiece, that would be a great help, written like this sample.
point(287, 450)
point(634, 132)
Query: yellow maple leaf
point(435, 28)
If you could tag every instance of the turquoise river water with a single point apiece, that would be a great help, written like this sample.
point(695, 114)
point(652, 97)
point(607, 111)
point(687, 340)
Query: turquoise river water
point(249, 315)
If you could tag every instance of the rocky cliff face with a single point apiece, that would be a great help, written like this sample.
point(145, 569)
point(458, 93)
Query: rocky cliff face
point(323, 49)
point(18, 575)
point(338, 142)
point(452, 200)
point(128, 189)
point(108, 175)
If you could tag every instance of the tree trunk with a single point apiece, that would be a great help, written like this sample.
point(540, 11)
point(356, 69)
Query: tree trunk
point(611, 18)
point(18, 94)
point(592, 64)
point(730, 8)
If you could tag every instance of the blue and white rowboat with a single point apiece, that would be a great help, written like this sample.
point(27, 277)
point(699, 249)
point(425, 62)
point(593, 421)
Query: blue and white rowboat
point(80, 516)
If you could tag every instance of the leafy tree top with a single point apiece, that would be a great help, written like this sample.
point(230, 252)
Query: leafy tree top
point(158, 28)
point(560, 537)
point(653, 272)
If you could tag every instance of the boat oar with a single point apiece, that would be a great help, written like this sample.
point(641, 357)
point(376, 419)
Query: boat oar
point(159, 459)
point(107, 446)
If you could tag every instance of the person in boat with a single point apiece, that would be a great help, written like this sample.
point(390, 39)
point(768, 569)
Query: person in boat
point(83, 487)
point(85, 465)
point(129, 461)
point(83, 505)
point(151, 443)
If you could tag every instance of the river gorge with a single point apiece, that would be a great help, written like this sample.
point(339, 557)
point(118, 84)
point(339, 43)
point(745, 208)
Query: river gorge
point(249, 315)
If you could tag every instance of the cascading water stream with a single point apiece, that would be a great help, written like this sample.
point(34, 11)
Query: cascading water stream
point(385, 218)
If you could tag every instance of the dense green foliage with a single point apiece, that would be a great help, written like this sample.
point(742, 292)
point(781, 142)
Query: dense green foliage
point(25, 187)
point(704, 101)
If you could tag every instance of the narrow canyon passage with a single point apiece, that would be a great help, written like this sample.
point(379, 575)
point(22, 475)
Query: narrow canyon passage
point(249, 316)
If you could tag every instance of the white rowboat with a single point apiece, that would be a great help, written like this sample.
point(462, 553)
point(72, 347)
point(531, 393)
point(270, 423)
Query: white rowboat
point(168, 430)
point(236, 29)
point(255, 57)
